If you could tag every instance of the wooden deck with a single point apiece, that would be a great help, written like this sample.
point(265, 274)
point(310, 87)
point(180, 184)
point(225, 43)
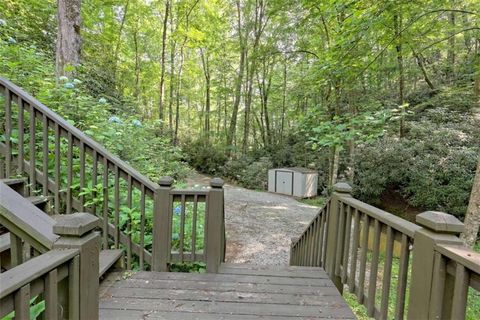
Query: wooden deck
point(238, 291)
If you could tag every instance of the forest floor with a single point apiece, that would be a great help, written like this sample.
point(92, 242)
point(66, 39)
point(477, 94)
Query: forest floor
point(259, 225)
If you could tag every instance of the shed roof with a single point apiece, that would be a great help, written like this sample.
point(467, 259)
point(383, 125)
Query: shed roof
point(298, 169)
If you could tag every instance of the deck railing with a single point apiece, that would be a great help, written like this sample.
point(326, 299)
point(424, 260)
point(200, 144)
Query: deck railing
point(82, 176)
point(369, 251)
point(40, 279)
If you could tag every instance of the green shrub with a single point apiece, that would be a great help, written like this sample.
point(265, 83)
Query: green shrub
point(205, 157)
point(433, 168)
point(250, 173)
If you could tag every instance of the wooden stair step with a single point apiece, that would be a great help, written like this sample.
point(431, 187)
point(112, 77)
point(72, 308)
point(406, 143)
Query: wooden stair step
point(107, 259)
point(16, 184)
point(40, 202)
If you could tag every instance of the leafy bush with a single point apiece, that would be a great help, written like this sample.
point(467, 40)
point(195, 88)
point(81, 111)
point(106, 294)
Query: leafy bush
point(433, 168)
point(205, 157)
point(248, 172)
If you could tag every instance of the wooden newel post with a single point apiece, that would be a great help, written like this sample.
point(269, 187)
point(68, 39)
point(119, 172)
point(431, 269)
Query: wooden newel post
point(438, 228)
point(340, 189)
point(215, 240)
point(162, 223)
point(76, 232)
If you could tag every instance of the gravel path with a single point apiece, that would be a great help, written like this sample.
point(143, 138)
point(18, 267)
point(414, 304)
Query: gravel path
point(259, 225)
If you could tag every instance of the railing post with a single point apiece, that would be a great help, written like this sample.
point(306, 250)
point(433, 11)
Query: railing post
point(438, 227)
point(76, 232)
point(162, 225)
point(215, 239)
point(339, 189)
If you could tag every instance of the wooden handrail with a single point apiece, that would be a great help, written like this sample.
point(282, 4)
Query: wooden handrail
point(25, 220)
point(352, 240)
point(46, 141)
point(41, 275)
point(19, 93)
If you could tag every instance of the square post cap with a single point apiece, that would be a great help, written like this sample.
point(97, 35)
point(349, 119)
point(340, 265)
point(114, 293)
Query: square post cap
point(165, 181)
point(75, 224)
point(342, 187)
point(216, 183)
point(439, 222)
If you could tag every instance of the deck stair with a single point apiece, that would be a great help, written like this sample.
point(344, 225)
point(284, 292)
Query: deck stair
point(238, 291)
point(24, 207)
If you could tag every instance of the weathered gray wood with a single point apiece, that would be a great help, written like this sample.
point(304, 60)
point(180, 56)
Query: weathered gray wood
point(57, 171)
point(438, 287)
point(363, 259)
point(25, 273)
point(425, 241)
point(51, 295)
point(459, 303)
point(372, 283)
point(87, 242)
point(75, 224)
point(107, 259)
point(161, 245)
point(214, 225)
point(8, 132)
point(26, 220)
point(402, 277)
point(16, 250)
point(353, 260)
point(225, 296)
point(384, 217)
point(387, 274)
point(45, 152)
point(22, 302)
point(21, 136)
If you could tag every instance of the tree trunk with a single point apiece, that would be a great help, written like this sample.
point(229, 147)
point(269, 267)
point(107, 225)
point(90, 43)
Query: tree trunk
point(179, 86)
point(162, 66)
point(472, 218)
point(284, 99)
point(451, 44)
point(206, 72)
point(69, 41)
point(173, 44)
point(238, 85)
point(397, 20)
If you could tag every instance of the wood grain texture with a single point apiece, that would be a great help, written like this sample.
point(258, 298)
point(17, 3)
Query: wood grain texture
point(236, 292)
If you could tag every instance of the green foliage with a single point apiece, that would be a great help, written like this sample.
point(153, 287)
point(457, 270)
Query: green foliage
point(433, 168)
point(205, 157)
point(249, 172)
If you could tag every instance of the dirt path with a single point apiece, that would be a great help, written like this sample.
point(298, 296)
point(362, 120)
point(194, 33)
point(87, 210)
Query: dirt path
point(259, 225)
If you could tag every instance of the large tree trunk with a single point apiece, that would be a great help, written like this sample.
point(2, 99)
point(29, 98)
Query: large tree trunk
point(472, 218)
point(162, 65)
point(69, 41)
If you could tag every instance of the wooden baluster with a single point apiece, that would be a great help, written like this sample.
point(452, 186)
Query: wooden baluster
point(460, 292)
point(353, 260)
point(32, 148)
point(308, 244)
point(194, 228)
point(323, 237)
point(182, 227)
point(438, 287)
point(142, 227)
point(346, 249)
point(16, 250)
point(402, 277)
point(22, 302)
point(387, 273)
point(57, 169)
point(21, 136)
point(340, 238)
point(116, 222)
point(363, 259)
point(73, 289)
point(51, 295)
point(94, 179)
point(129, 223)
point(82, 175)
point(317, 241)
point(105, 204)
point(45, 152)
point(8, 132)
point(69, 172)
point(372, 285)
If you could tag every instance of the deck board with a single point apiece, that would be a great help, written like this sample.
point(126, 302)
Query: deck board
point(237, 292)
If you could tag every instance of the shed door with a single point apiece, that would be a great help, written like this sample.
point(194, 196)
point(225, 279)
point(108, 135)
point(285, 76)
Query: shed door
point(284, 182)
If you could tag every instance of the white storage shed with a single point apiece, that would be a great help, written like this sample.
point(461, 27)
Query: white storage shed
point(297, 182)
